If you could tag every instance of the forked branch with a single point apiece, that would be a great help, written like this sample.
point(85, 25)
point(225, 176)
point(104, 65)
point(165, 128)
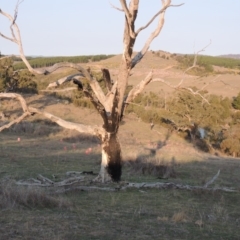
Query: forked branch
point(194, 63)
point(28, 111)
point(16, 38)
point(155, 16)
point(138, 88)
point(165, 5)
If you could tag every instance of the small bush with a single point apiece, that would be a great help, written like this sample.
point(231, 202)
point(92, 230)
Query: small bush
point(236, 102)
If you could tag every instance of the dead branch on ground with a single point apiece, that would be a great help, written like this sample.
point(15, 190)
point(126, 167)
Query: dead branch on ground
point(78, 178)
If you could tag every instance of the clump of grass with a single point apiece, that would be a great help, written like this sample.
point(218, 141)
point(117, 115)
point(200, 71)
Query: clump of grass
point(152, 166)
point(180, 217)
point(12, 196)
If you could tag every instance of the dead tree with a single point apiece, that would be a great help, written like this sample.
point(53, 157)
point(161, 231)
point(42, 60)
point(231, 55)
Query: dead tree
point(110, 106)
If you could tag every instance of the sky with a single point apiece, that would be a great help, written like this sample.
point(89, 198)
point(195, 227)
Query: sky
point(89, 27)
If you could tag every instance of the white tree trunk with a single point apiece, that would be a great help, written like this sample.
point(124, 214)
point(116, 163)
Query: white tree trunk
point(111, 165)
point(103, 174)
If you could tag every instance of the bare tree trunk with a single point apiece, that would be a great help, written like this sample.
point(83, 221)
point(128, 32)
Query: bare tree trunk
point(111, 105)
point(111, 165)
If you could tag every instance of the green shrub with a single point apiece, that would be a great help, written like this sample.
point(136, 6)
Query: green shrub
point(25, 82)
point(15, 81)
point(231, 141)
point(236, 102)
point(6, 73)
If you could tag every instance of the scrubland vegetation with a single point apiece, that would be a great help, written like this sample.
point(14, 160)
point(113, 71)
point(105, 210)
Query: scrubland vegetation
point(218, 116)
point(206, 63)
point(40, 62)
point(40, 147)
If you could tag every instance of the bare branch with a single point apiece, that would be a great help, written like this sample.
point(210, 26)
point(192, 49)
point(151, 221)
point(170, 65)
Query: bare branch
point(60, 90)
point(139, 88)
point(154, 17)
point(194, 63)
point(15, 121)
point(163, 81)
point(195, 93)
point(42, 181)
point(119, 9)
point(212, 180)
point(153, 35)
point(24, 106)
point(125, 8)
point(93, 130)
point(16, 11)
point(64, 80)
point(17, 97)
point(8, 38)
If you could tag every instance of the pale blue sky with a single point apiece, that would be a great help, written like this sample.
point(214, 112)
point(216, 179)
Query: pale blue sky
point(82, 27)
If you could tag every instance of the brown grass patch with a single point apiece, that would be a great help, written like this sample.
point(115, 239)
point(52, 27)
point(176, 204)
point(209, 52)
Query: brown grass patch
point(180, 217)
point(12, 196)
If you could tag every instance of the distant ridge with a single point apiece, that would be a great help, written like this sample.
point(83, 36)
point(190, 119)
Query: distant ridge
point(236, 56)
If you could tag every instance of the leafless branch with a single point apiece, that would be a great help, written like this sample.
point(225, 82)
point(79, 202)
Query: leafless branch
point(16, 11)
point(15, 121)
point(125, 8)
point(60, 90)
point(139, 88)
point(42, 181)
point(154, 17)
point(229, 85)
point(17, 97)
point(194, 63)
point(93, 130)
point(119, 9)
point(163, 81)
point(64, 80)
point(212, 180)
point(153, 35)
point(8, 38)
point(27, 111)
point(195, 93)
point(178, 86)
point(24, 106)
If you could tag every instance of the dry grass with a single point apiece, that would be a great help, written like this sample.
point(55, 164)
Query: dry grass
point(15, 197)
point(151, 166)
point(30, 213)
point(180, 217)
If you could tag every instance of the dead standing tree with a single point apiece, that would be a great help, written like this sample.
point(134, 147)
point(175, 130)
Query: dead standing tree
point(110, 106)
